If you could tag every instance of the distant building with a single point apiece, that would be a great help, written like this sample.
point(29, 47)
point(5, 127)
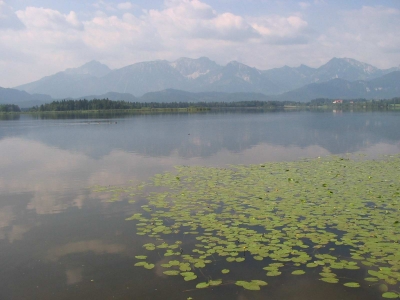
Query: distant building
point(337, 101)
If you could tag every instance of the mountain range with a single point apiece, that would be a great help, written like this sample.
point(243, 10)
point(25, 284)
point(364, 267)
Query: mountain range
point(338, 78)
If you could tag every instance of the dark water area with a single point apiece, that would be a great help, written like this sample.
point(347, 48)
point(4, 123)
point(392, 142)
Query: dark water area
point(61, 240)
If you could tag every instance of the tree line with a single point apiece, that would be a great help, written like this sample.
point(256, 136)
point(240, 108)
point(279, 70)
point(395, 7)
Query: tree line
point(106, 104)
point(5, 108)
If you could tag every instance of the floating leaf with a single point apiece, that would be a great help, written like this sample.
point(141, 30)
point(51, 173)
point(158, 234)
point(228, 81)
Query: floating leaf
point(390, 295)
point(141, 256)
point(298, 272)
point(238, 212)
point(202, 285)
point(330, 279)
point(190, 277)
point(215, 282)
point(372, 279)
point(149, 266)
point(259, 282)
point(274, 273)
point(352, 284)
point(171, 272)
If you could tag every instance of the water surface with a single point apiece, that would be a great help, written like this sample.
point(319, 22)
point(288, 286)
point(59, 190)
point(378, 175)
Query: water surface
point(61, 240)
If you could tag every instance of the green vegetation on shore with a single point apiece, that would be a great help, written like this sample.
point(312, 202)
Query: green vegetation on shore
point(106, 104)
point(6, 108)
point(100, 105)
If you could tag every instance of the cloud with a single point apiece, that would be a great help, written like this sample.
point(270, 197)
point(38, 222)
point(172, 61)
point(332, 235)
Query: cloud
point(49, 19)
point(371, 32)
point(282, 30)
point(51, 41)
point(197, 20)
point(117, 37)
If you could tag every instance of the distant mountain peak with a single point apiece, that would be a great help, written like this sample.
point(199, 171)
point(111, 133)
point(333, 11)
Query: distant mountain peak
point(194, 68)
point(93, 68)
point(236, 64)
point(195, 75)
point(92, 63)
point(367, 67)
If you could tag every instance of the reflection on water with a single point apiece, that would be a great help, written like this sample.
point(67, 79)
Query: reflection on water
point(95, 246)
point(60, 240)
point(204, 135)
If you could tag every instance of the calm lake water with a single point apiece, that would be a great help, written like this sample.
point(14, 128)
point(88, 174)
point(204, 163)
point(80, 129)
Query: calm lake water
point(61, 240)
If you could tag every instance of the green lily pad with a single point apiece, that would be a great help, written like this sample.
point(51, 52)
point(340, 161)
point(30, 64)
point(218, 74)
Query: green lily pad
point(287, 212)
point(171, 272)
point(390, 295)
point(191, 277)
point(274, 273)
point(215, 282)
point(149, 266)
point(352, 284)
point(202, 285)
point(298, 272)
point(330, 279)
point(259, 282)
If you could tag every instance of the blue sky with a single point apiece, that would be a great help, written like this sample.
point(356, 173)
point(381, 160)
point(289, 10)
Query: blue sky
point(42, 37)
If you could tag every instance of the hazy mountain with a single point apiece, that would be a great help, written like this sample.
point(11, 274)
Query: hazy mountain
point(348, 69)
point(141, 78)
point(344, 68)
point(171, 95)
point(196, 75)
point(92, 68)
point(194, 68)
point(69, 83)
point(22, 98)
point(288, 78)
point(236, 77)
point(387, 86)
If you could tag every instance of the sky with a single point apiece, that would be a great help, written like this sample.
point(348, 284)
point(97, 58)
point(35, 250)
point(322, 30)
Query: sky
point(42, 37)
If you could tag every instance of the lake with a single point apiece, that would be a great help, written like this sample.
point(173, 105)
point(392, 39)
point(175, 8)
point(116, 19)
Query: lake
point(62, 239)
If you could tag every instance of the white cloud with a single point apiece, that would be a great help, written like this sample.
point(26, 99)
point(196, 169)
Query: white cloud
point(370, 34)
point(49, 19)
point(282, 30)
point(52, 41)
